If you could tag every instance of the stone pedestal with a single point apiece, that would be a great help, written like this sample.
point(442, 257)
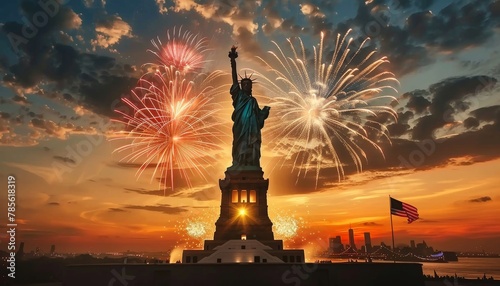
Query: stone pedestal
point(243, 210)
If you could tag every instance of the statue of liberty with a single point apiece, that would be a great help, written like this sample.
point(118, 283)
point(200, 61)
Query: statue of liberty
point(248, 120)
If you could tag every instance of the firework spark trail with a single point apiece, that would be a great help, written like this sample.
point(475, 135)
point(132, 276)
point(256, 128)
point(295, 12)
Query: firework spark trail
point(173, 125)
point(182, 50)
point(326, 105)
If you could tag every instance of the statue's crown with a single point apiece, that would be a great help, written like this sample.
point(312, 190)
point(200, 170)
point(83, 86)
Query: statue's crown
point(247, 78)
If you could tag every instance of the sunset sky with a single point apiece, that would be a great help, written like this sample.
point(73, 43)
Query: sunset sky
point(60, 84)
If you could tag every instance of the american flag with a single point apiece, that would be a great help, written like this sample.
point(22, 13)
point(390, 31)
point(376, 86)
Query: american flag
point(403, 209)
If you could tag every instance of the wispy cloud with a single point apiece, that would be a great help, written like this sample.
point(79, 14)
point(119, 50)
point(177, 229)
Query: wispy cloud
point(481, 200)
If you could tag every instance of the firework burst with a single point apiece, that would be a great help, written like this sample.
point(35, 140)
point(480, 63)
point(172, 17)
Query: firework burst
point(182, 50)
point(196, 227)
point(327, 105)
point(286, 226)
point(172, 124)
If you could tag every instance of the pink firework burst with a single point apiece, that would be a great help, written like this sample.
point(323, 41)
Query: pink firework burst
point(172, 125)
point(183, 50)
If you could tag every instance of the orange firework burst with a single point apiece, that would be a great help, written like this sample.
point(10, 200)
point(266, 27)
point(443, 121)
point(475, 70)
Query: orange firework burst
point(172, 124)
point(183, 50)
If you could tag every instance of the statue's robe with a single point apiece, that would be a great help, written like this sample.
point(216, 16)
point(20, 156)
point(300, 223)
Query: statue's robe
point(248, 120)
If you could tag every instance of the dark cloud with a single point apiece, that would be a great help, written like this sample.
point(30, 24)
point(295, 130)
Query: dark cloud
point(98, 79)
point(395, 42)
point(471, 64)
point(398, 129)
point(317, 19)
point(471, 122)
point(476, 146)
point(250, 45)
point(272, 15)
point(448, 97)
point(181, 183)
point(207, 194)
point(159, 192)
point(401, 127)
point(481, 200)
point(487, 114)
point(426, 126)
point(133, 165)
point(405, 57)
point(68, 97)
point(289, 25)
point(40, 58)
point(65, 159)
point(54, 231)
point(458, 26)
point(162, 208)
point(404, 117)
point(54, 204)
point(116, 210)
point(494, 9)
point(371, 223)
point(103, 95)
point(292, 183)
point(480, 145)
point(240, 15)
point(422, 220)
point(418, 104)
point(4, 115)
point(49, 127)
point(418, 101)
point(420, 4)
point(454, 89)
point(4, 62)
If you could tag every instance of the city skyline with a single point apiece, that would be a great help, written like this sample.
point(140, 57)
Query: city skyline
point(60, 85)
point(411, 244)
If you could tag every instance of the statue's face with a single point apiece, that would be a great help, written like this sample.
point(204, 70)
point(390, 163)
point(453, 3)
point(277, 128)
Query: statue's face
point(246, 86)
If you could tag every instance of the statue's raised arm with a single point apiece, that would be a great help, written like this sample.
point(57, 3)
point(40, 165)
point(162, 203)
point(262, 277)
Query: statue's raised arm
point(233, 54)
point(248, 119)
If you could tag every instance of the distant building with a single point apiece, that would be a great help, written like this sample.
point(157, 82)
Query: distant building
point(351, 239)
point(336, 244)
point(412, 244)
point(423, 249)
point(52, 250)
point(368, 242)
point(20, 252)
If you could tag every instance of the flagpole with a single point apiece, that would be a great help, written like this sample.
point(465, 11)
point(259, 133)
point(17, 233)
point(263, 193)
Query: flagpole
point(392, 231)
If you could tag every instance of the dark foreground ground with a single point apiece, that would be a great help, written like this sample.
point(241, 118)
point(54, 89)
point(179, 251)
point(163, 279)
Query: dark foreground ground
point(451, 281)
point(52, 273)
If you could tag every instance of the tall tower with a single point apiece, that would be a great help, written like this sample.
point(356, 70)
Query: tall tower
point(20, 252)
point(351, 238)
point(368, 242)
